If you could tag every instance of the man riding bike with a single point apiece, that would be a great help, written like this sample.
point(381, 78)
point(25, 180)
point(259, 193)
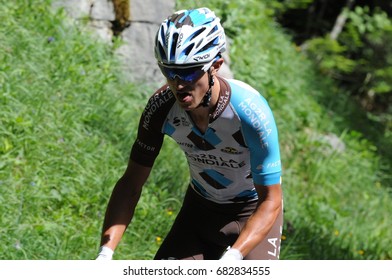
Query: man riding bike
point(233, 206)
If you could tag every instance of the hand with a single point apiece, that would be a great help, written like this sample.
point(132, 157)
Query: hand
point(105, 253)
point(231, 254)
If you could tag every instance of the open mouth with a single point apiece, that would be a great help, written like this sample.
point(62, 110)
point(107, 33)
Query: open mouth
point(182, 94)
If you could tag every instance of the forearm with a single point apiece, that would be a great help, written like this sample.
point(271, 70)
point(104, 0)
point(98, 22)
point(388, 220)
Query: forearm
point(121, 207)
point(118, 215)
point(257, 227)
point(122, 204)
point(261, 221)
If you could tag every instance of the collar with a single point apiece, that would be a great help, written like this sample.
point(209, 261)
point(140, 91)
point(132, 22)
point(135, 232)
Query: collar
point(223, 99)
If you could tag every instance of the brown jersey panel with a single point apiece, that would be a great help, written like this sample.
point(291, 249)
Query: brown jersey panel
point(150, 132)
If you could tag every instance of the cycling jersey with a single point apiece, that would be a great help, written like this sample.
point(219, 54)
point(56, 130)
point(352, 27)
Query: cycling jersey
point(239, 148)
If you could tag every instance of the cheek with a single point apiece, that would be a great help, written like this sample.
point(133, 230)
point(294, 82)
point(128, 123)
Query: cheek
point(204, 87)
point(171, 84)
point(202, 84)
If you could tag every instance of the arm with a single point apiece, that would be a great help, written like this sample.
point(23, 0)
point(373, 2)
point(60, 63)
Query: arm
point(263, 143)
point(262, 220)
point(122, 204)
point(127, 191)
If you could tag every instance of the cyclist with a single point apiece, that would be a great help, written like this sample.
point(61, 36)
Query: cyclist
point(233, 206)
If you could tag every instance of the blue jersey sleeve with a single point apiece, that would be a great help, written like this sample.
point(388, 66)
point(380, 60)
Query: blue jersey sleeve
point(259, 131)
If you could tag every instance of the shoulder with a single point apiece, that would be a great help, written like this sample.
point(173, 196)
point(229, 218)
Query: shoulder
point(161, 97)
point(240, 85)
point(157, 107)
point(161, 101)
point(245, 95)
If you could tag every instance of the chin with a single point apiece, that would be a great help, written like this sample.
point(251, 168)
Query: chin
point(187, 107)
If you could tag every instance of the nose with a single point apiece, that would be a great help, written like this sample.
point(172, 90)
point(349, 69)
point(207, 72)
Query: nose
point(178, 84)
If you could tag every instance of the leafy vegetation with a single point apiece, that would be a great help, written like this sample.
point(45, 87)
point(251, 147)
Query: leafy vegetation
point(360, 58)
point(348, 41)
point(68, 118)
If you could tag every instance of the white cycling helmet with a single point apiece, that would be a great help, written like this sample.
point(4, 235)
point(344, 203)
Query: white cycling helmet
point(190, 38)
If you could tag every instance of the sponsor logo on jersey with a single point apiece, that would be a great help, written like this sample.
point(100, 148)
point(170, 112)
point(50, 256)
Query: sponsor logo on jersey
point(181, 121)
point(145, 146)
point(209, 159)
point(269, 165)
point(221, 105)
point(156, 102)
point(185, 144)
point(231, 150)
point(258, 120)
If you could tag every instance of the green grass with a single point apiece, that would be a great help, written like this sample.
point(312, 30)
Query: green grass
point(68, 120)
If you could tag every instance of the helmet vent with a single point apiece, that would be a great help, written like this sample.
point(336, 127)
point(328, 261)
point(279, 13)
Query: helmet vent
point(188, 49)
point(212, 31)
point(195, 34)
point(163, 35)
point(206, 47)
point(173, 46)
point(199, 43)
point(162, 53)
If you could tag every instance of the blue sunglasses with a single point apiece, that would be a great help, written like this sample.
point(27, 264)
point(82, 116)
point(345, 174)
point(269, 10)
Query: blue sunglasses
point(189, 75)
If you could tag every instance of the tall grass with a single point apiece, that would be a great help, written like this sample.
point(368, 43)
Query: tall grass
point(67, 121)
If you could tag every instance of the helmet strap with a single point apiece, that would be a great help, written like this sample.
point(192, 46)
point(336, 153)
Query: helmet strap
point(207, 97)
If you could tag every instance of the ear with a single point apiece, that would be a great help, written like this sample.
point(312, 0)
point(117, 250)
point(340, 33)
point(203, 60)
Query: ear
point(216, 66)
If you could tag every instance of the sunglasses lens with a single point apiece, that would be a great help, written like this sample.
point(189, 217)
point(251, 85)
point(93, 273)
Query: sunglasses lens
point(186, 74)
